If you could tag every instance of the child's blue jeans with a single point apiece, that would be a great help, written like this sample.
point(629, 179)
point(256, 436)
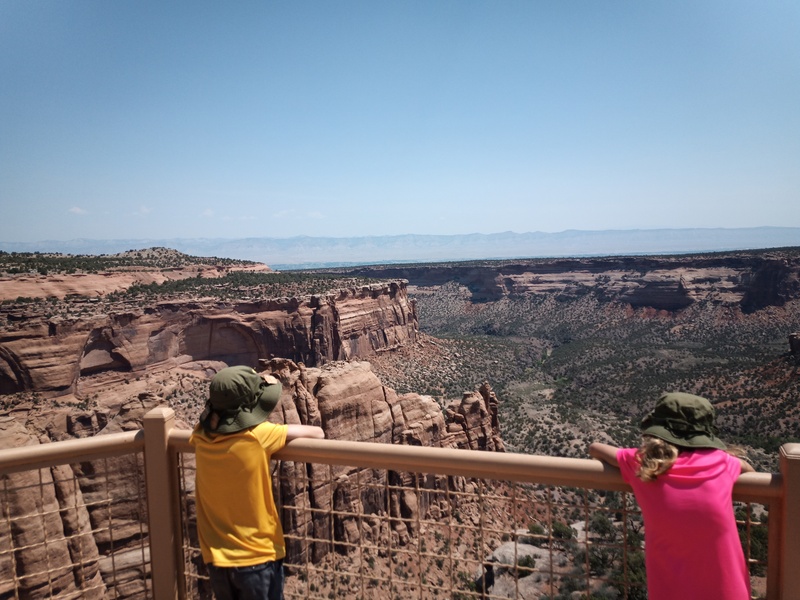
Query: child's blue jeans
point(259, 582)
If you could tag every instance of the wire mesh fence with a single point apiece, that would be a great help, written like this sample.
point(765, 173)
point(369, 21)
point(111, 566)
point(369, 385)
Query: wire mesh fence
point(75, 531)
point(394, 522)
point(380, 533)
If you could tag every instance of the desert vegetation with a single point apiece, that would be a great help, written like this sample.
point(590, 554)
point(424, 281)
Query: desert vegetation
point(571, 371)
point(243, 285)
point(567, 369)
point(232, 286)
point(43, 263)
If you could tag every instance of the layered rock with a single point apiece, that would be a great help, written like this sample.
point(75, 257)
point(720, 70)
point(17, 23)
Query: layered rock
point(349, 402)
point(54, 551)
point(751, 280)
point(95, 524)
point(473, 422)
point(53, 354)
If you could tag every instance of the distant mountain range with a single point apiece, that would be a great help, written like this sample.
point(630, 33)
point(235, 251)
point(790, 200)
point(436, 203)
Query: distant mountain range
point(310, 252)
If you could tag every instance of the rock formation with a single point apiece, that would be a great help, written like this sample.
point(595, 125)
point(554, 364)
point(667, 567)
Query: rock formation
point(95, 520)
point(751, 280)
point(51, 355)
point(76, 529)
point(348, 401)
point(54, 547)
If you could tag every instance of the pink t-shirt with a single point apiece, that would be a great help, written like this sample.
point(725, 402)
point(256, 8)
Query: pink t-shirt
point(692, 545)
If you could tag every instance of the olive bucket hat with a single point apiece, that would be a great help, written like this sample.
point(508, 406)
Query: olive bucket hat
point(684, 420)
point(241, 397)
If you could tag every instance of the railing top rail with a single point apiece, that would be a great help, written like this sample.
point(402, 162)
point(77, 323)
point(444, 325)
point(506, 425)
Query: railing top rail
point(791, 450)
point(39, 456)
point(503, 466)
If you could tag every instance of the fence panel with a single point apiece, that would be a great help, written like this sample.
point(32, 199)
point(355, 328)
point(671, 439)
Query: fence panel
point(75, 531)
point(360, 531)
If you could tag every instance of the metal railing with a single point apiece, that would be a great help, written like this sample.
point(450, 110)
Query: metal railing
point(361, 520)
point(74, 519)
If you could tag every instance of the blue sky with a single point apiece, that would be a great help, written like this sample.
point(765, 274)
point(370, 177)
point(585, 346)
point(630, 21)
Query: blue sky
point(130, 120)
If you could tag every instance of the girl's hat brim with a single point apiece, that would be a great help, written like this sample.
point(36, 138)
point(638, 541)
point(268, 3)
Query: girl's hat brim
point(684, 420)
point(697, 441)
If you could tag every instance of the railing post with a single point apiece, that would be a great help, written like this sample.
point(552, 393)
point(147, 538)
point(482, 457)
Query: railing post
point(790, 542)
point(160, 478)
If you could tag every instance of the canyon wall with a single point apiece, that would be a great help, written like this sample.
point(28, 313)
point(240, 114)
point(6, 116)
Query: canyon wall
point(750, 280)
point(51, 354)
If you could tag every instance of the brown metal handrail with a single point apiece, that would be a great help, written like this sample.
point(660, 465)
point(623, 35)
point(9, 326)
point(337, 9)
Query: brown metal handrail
point(26, 458)
point(161, 443)
point(506, 466)
point(763, 488)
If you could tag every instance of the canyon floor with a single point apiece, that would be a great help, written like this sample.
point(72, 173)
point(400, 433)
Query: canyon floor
point(568, 373)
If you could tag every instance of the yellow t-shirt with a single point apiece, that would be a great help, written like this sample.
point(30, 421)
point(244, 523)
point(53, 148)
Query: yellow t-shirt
point(237, 521)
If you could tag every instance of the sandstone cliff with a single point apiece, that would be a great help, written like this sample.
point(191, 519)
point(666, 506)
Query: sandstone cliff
point(91, 538)
point(751, 280)
point(73, 530)
point(53, 354)
point(349, 402)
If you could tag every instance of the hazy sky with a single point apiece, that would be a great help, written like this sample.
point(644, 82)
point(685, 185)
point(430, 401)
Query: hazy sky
point(136, 119)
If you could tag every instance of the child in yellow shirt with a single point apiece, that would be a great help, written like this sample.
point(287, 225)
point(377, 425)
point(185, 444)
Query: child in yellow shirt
point(238, 525)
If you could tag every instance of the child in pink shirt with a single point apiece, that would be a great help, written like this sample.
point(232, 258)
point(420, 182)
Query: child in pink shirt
point(683, 479)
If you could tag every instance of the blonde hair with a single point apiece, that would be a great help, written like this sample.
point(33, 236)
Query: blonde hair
point(736, 451)
point(656, 456)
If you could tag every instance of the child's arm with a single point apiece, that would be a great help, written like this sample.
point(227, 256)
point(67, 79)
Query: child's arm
point(304, 431)
point(604, 452)
point(746, 466)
